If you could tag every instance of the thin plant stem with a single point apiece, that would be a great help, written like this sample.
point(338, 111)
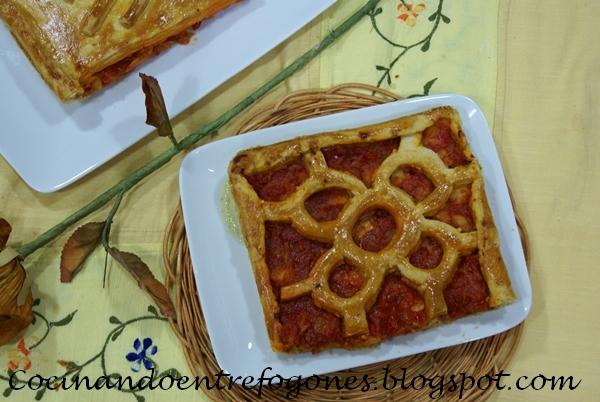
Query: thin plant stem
point(162, 159)
point(173, 140)
point(106, 233)
point(109, 220)
point(46, 331)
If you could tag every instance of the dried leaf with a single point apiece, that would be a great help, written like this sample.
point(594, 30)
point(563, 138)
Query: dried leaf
point(5, 230)
point(79, 246)
point(12, 278)
point(156, 111)
point(145, 280)
point(14, 317)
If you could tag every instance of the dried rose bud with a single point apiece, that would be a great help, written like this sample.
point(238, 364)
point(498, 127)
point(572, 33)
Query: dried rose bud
point(15, 300)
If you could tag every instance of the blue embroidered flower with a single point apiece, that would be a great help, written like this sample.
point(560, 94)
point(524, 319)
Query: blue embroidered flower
point(141, 351)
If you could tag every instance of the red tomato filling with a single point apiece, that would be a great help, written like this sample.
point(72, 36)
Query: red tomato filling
point(360, 159)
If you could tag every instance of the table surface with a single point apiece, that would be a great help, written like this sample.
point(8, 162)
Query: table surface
point(548, 130)
point(545, 110)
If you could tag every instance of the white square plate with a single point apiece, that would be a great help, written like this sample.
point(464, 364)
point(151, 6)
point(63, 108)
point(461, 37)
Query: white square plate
point(51, 144)
point(228, 294)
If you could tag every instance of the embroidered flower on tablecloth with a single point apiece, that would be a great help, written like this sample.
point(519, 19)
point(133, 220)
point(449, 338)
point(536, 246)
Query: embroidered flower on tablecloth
point(19, 357)
point(409, 12)
point(139, 357)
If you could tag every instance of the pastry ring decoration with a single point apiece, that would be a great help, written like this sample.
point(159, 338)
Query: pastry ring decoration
point(414, 215)
point(394, 256)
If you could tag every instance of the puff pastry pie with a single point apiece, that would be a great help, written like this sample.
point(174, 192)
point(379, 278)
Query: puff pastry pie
point(79, 46)
point(361, 235)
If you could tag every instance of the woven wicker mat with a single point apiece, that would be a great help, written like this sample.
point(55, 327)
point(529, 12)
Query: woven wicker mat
point(484, 357)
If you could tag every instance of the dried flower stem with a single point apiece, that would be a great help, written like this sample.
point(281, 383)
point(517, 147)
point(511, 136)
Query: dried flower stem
point(109, 220)
point(106, 233)
point(136, 176)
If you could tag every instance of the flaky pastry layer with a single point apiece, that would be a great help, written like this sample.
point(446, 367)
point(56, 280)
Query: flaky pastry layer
point(74, 44)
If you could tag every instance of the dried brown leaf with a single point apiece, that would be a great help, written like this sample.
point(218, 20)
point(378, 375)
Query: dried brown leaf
point(145, 279)
point(14, 317)
point(79, 246)
point(5, 230)
point(156, 111)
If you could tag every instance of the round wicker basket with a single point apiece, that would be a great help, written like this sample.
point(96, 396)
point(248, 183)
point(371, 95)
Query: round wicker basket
point(484, 357)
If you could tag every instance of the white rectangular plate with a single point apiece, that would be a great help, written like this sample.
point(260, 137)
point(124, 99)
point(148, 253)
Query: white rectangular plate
point(51, 144)
point(228, 294)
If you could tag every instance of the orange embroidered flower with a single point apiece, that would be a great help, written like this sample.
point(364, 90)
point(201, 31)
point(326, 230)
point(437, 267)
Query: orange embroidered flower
point(19, 357)
point(410, 12)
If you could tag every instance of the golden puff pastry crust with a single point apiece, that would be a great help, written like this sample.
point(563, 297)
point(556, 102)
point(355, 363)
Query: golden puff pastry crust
point(360, 235)
point(79, 46)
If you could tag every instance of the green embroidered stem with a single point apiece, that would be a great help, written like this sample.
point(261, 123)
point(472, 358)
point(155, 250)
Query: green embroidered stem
point(136, 176)
point(109, 220)
point(51, 324)
point(436, 17)
point(46, 331)
point(76, 369)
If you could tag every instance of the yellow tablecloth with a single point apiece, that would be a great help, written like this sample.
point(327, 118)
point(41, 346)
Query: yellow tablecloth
point(545, 113)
